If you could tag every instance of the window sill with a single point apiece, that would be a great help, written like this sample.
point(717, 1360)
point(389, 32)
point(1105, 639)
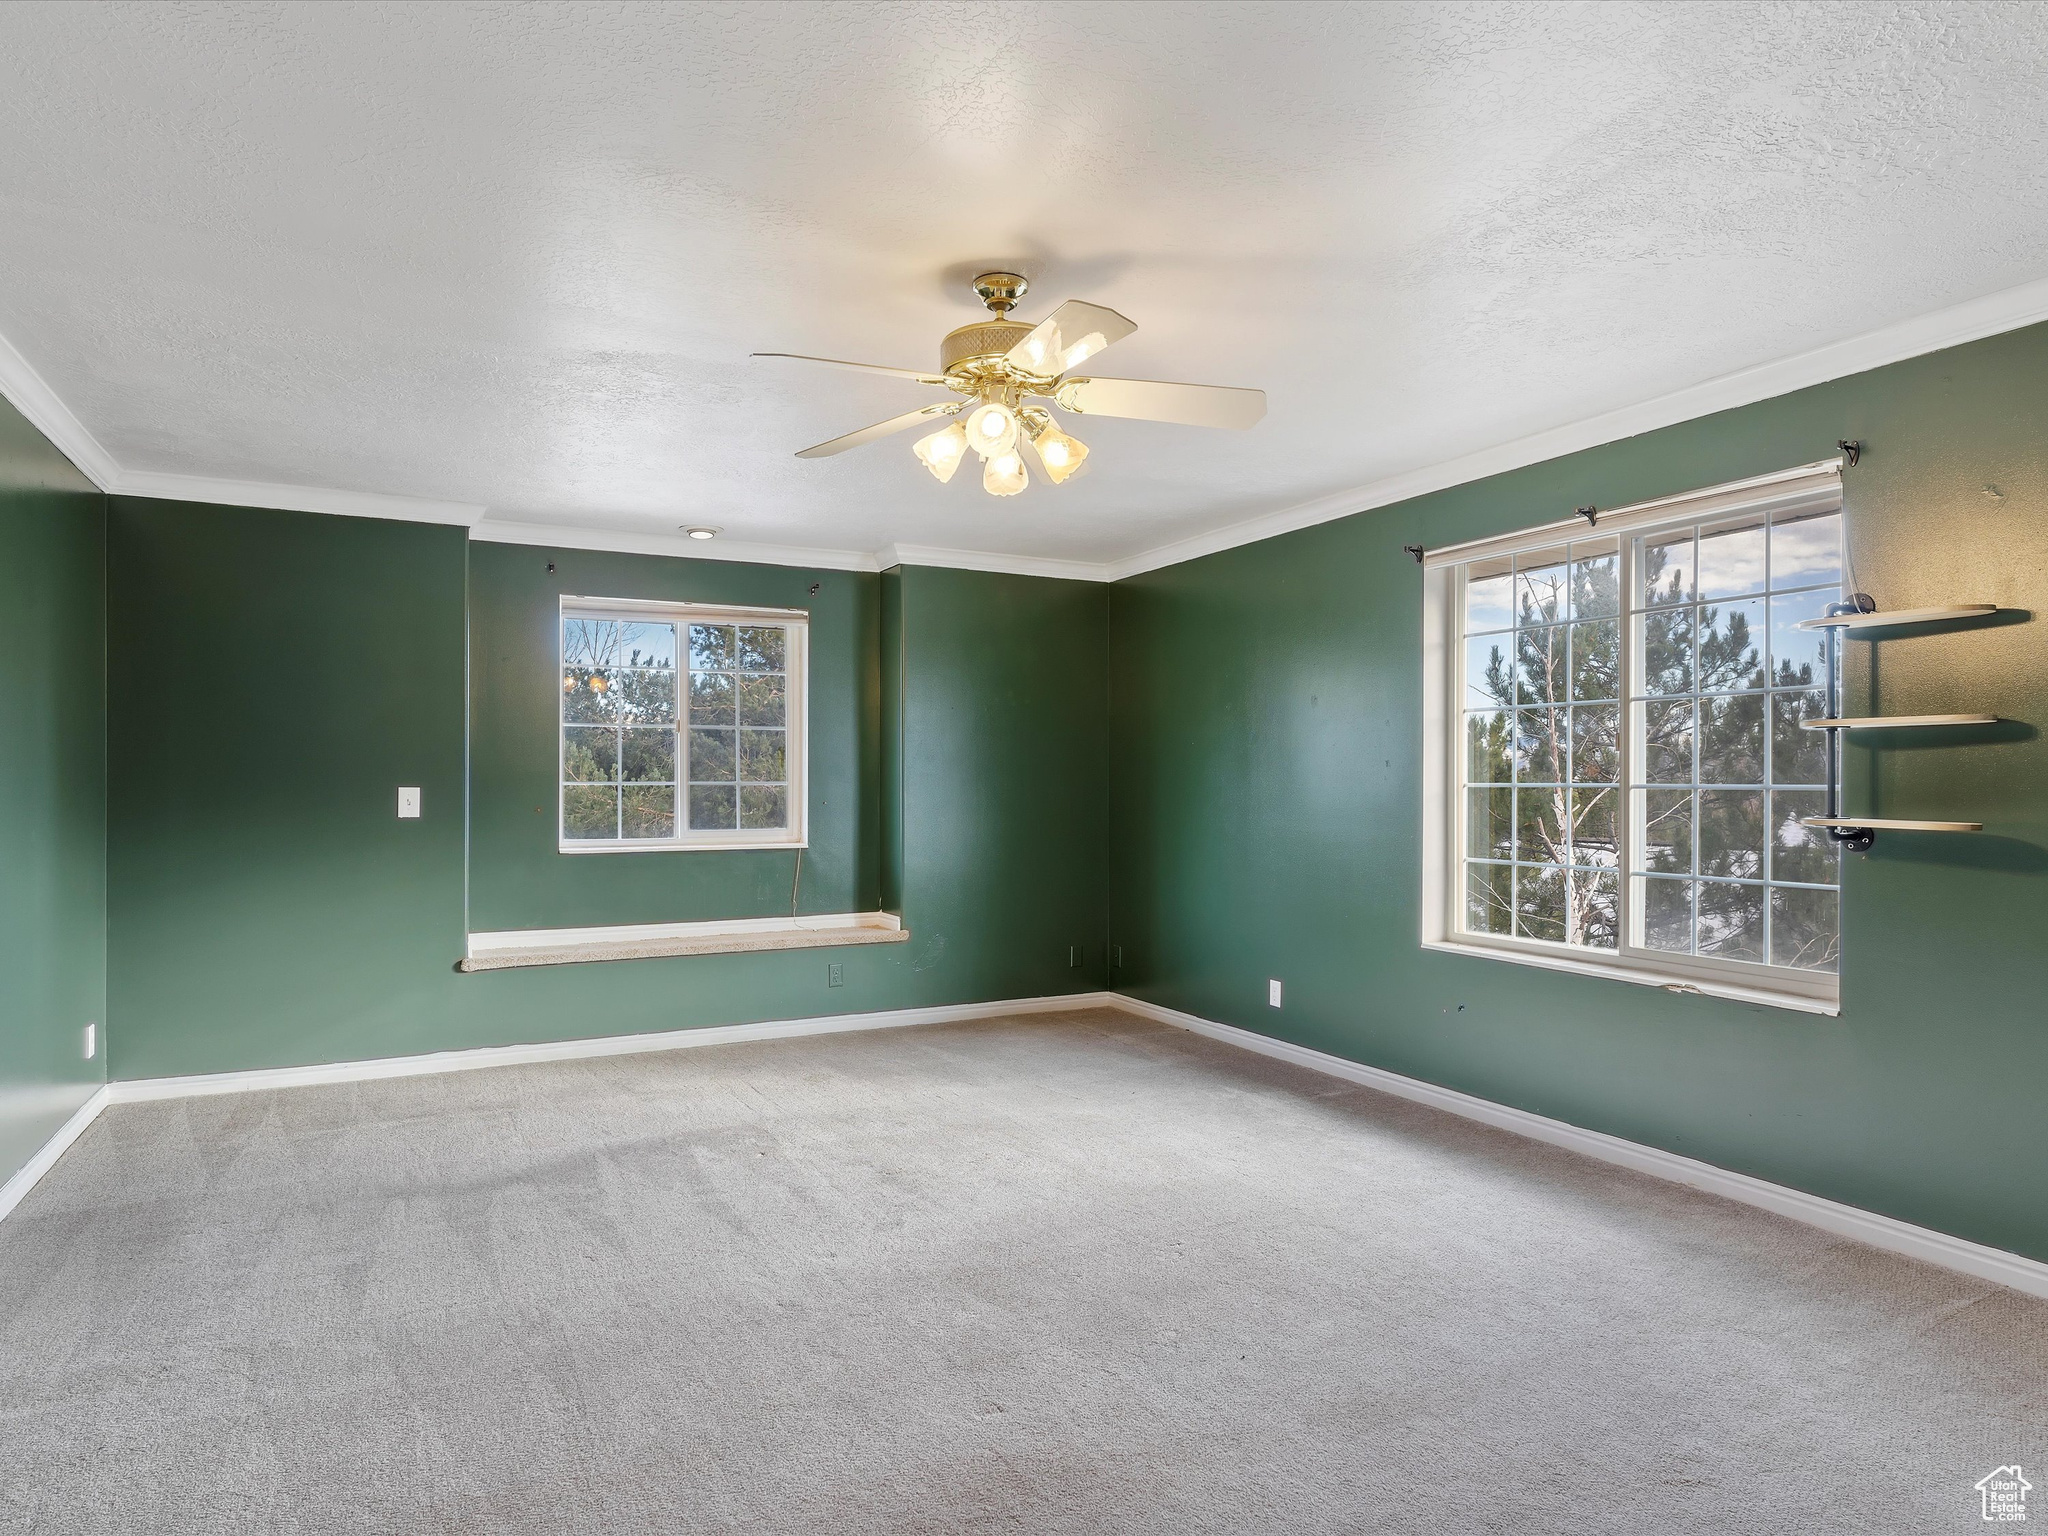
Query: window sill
point(1623, 970)
point(649, 941)
point(736, 843)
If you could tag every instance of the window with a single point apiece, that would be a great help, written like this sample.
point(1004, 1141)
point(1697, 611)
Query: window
point(1619, 772)
point(682, 726)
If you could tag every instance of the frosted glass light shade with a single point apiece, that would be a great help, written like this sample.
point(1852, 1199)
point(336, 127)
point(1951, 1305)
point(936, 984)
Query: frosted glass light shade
point(1060, 454)
point(1004, 475)
point(942, 452)
point(992, 429)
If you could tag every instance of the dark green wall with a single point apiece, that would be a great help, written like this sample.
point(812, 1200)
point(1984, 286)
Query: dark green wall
point(518, 878)
point(277, 675)
point(53, 801)
point(274, 678)
point(1004, 743)
point(1266, 803)
point(891, 680)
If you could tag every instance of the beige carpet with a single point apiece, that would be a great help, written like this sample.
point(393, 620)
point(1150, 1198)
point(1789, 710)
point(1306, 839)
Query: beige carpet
point(1068, 1273)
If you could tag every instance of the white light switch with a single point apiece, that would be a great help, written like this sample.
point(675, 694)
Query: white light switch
point(92, 1041)
point(1272, 994)
point(408, 804)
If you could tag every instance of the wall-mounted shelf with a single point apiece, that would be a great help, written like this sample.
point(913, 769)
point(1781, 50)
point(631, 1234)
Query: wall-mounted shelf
point(1894, 722)
point(1877, 823)
point(1860, 612)
point(1900, 616)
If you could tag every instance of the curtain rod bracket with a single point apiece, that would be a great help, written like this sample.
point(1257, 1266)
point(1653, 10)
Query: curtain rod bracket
point(1851, 450)
point(1415, 550)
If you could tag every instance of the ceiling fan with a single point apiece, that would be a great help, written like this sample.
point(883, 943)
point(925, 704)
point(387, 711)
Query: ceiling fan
point(999, 365)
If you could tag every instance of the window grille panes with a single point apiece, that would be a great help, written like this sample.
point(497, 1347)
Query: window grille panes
point(618, 729)
point(677, 730)
point(1542, 733)
point(1724, 773)
point(739, 719)
point(1630, 772)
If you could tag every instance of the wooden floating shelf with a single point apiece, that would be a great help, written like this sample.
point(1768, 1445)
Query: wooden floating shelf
point(1883, 620)
point(1883, 824)
point(1894, 722)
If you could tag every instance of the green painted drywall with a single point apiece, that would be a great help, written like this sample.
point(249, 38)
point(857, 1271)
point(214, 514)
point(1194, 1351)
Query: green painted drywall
point(52, 788)
point(274, 677)
point(1266, 800)
point(890, 679)
point(518, 876)
point(1004, 739)
point(277, 675)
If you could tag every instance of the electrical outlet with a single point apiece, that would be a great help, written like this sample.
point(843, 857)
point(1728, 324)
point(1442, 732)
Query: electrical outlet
point(1074, 956)
point(835, 974)
point(92, 1041)
point(1116, 956)
point(1272, 994)
point(408, 804)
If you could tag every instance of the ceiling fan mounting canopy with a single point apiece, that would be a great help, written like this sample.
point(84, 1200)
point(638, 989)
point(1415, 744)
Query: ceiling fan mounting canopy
point(1000, 291)
point(999, 363)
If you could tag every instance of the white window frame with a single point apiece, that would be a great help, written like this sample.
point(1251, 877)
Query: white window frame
point(1809, 488)
point(797, 673)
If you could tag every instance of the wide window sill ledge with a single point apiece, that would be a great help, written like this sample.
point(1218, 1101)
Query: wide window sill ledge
point(513, 949)
point(1729, 991)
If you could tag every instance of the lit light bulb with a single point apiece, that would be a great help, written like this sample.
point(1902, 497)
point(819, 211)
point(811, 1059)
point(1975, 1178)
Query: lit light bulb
point(599, 682)
point(942, 452)
point(1005, 475)
point(992, 429)
point(1060, 454)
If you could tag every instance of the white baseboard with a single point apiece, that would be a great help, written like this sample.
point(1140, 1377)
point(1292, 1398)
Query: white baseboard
point(25, 1178)
point(143, 1089)
point(1994, 1264)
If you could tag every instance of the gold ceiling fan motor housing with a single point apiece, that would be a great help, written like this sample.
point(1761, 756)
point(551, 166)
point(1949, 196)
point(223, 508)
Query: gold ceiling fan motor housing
point(973, 356)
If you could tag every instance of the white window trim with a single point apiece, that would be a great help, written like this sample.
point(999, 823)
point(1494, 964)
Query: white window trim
point(1811, 485)
point(797, 671)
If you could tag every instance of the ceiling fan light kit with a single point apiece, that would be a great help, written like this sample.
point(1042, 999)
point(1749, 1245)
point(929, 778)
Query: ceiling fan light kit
point(1000, 363)
point(942, 452)
point(1004, 474)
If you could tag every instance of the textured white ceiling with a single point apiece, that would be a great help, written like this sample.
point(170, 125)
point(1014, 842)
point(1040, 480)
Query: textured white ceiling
point(517, 254)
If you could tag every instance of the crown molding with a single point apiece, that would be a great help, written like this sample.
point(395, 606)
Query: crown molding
point(25, 389)
point(977, 560)
point(566, 536)
point(1994, 313)
point(1989, 315)
point(291, 498)
point(495, 530)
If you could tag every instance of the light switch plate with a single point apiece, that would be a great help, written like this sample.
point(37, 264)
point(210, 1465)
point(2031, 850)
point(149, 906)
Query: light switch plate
point(92, 1040)
point(408, 804)
point(1272, 994)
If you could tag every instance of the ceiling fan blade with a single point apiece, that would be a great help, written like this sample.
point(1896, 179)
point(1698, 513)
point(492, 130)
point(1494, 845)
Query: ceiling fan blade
point(1067, 338)
point(880, 429)
point(833, 362)
point(1192, 405)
